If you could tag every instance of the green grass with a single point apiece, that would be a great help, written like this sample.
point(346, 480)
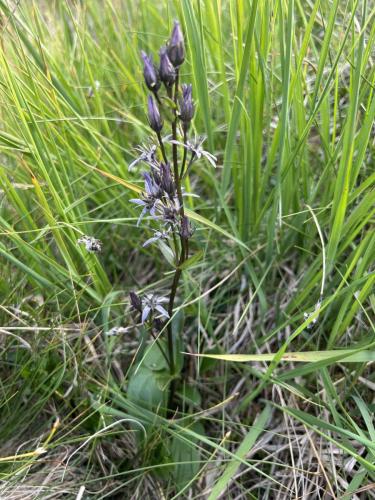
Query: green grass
point(284, 93)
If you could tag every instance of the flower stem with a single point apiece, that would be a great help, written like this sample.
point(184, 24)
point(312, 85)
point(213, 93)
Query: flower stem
point(189, 165)
point(184, 249)
point(174, 151)
point(162, 148)
point(184, 156)
point(159, 346)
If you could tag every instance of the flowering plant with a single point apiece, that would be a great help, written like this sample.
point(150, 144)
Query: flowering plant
point(163, 197)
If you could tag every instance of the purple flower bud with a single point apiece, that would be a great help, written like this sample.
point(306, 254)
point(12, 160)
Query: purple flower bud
point(154, 118)
point(186, 230)
point(166, 180)
point(176, 47)
point(166, 69)
point(155, 176)
point(150, 73)
point(186, 104)
point(135, 301)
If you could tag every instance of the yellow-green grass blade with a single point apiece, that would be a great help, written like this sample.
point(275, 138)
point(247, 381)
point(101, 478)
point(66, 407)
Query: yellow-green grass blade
point(333, 356)
point(248, 442)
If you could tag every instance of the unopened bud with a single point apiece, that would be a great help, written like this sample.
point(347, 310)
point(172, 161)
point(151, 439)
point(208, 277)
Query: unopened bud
point(154, 118)
point(186, 229)
point(186, 104)
point(150, 73)
point(166, 180)
point(135, 301)
point(176, 46)
point(166, 69)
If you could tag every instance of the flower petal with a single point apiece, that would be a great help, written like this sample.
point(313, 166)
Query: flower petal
point(145, 313)
point(134, 163)
point(137, 201)
point(162, 311)
point(179, 143)
point(160, 300)
point(143, 213)
point(211, 158)
point(150, 240)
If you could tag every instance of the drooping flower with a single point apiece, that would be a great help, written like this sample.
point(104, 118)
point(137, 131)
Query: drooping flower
point(117, 330)
point(196, 149)
point(176, 46)
point(166, 69)
point(92, 244)
point(152, 304)
point(153, 189)
point(150, 198)
point(147, 206)
point(147, 155)
point(158, 235)
point(150, 73)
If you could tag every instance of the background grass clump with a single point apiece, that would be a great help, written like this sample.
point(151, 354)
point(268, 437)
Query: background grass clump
point(284, 93)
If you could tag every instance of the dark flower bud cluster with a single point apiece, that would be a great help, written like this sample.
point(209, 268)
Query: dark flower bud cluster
point(159, 198)
point(171, 57)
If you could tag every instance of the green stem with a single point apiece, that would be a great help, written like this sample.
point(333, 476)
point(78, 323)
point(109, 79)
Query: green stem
point(189, 165)
point(175, 248)
point(183, 254)
point(184, 156)
point(159, 346)
point(162, 148)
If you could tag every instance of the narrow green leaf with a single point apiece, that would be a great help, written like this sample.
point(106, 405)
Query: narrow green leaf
point(248, 442)
point(236, 110)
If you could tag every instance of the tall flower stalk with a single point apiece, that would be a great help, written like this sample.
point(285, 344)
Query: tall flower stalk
point(167, 158)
